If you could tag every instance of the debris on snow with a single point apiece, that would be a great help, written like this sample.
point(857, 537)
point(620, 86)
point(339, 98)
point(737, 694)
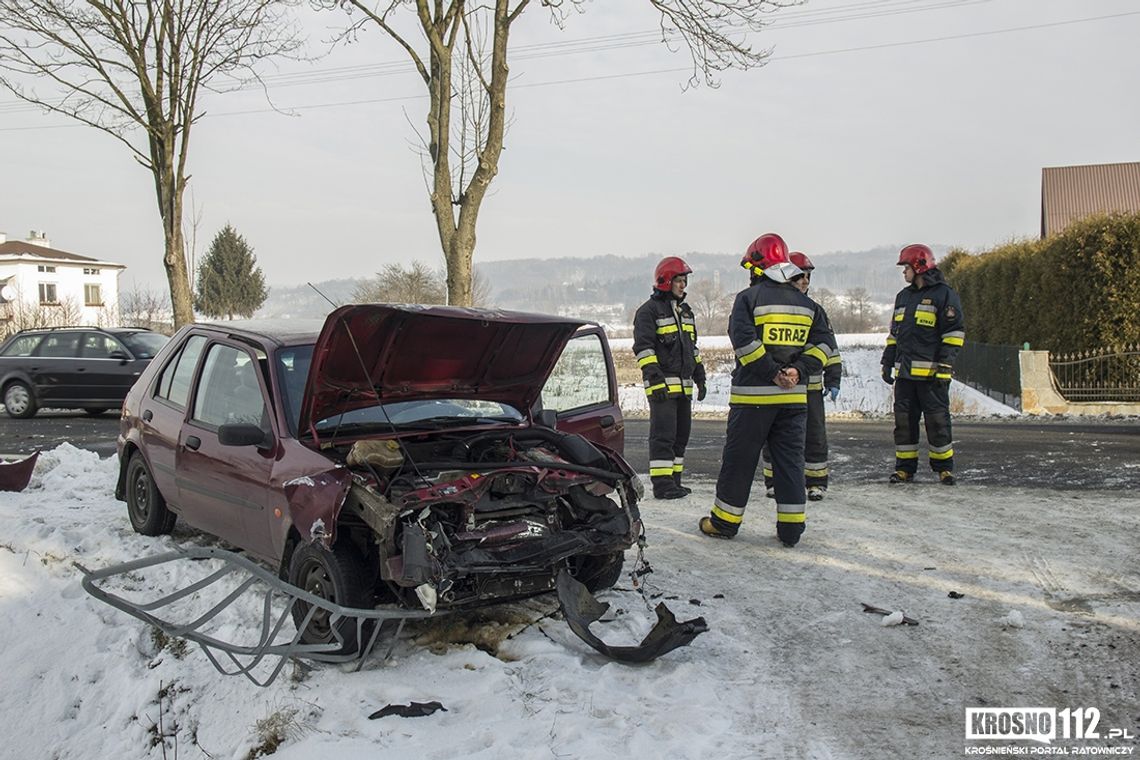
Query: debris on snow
point(412, 710)
point(1013, 620)
point(895, 618)
point(902, 619)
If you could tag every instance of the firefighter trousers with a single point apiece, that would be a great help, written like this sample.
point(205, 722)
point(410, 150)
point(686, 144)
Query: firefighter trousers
point(929, 399)
point(816, 471)
point(670, 422)
point(749, 428)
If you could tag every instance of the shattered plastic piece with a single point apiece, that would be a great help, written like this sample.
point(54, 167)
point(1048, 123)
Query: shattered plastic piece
point(955, 595)
point(412, 710)
point(871, 608)
point(427, 596)
point(581, 609)
point(15, 476)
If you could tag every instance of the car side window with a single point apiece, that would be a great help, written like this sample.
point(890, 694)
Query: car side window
point(228, 391)
point(174, 384)
point(580, 378)
point(23, 345)
point(60, 345)
point(99, 346)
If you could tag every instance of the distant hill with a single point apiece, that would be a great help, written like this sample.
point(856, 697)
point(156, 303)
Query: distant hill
point(607, 289)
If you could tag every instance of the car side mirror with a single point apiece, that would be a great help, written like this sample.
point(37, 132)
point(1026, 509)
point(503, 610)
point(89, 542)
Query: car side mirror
point(243, 434)
point(120, 355)
point(547, 418)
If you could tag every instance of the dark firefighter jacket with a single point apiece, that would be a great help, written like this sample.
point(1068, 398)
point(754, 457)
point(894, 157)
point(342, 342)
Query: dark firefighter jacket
point(773, 325)
point(832, 372)
point(927, 329)
point(665, 344)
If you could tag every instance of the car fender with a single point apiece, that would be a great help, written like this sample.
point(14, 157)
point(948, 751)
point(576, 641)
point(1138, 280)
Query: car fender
point(315, 502)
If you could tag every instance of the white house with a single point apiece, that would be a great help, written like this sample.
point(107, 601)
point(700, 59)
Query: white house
point(41, 286)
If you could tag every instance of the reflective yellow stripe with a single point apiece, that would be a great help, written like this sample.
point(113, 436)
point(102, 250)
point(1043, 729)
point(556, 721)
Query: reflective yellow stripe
point(940, 455)
point(952, 341)
point(781, 398)
point(678, 468)
point(921, 371)
point(665, 330)
point(891, 341)
point(791, 517)
point(657, 472)
point(647, 361)
point(816, 473)
point(767, 472)
point(752, 356)
point(906, 454)
point(942, 376)
point(815, 352)
point(833, 360)
point(690, 328)
point(720, 514)
point(649, 390)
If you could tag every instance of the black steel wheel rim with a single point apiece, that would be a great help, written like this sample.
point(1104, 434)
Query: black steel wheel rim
point(316, 580)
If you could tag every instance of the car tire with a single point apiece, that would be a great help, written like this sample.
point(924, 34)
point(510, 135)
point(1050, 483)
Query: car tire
point(20, 400)
point(95, 412)
point(335, 575)
point(598, 572)
point(145, 505)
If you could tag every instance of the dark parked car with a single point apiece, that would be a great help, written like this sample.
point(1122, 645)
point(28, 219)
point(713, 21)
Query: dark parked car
point(87, 368)
point(423, 457)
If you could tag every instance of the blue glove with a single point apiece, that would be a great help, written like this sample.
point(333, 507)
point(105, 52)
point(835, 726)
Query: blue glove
point(833, 392)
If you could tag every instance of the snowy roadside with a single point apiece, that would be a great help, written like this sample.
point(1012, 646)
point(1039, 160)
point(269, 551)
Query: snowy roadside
point(790, 668)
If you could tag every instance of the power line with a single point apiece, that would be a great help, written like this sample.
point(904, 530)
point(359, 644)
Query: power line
point(624, 75)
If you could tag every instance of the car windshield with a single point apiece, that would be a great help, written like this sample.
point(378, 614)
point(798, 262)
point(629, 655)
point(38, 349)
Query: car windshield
point(293, 369)
point(144, 345)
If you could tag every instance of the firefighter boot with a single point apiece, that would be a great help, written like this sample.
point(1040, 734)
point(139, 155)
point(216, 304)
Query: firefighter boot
point(946, 477)
point(714, 529)
point(789, 533)
point(677, 482)
point(665, 488)
point(815, 493)
point(901, 476)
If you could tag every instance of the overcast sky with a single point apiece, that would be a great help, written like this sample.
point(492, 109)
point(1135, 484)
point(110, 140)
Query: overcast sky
point(851, 137)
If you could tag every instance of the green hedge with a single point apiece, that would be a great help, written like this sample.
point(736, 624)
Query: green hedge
point(1073, 291)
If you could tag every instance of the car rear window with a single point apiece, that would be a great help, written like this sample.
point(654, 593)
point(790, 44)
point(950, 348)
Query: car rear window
point(174, 385)
point(60, 345)
point(22, 345)
point(144, 345)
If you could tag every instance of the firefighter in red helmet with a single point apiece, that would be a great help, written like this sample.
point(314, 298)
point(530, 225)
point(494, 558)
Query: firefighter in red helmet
point(665, 344)
point(819, 386)
point(927, 330)
point(779, 337)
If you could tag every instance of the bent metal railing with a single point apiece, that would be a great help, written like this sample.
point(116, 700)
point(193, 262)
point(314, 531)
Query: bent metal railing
point(1098, 374)
point(250, 584)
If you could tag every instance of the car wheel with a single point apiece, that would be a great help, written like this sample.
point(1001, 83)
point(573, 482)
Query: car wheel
point(145, 505)
point(335, 575)
point(598, 572)
point(19, 400)
point(94, 412)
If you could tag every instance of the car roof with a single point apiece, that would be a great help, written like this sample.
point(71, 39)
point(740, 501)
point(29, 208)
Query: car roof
point(283, 332)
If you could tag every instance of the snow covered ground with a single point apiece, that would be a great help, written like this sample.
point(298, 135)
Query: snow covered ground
point(791, 667)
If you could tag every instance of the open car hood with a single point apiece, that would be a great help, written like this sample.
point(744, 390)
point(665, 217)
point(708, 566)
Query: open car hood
point(399, 352)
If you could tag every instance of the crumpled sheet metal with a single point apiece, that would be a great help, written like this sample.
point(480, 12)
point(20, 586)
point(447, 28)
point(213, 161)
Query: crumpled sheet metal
point(581, 609)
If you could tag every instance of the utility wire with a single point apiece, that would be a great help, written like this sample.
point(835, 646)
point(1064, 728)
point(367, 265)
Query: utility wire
point(630, 74)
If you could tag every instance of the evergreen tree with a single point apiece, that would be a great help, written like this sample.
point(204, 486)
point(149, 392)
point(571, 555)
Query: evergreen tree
point(229, 281)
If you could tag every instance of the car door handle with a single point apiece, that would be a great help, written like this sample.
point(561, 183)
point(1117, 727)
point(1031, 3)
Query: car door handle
point(147, 415)
point(607, 421)
point(193, 442)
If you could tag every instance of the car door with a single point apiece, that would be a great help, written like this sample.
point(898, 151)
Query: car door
point(108, 370)
point(224, 489)
point(163, 412)
point(582, 389)
point(53, 369)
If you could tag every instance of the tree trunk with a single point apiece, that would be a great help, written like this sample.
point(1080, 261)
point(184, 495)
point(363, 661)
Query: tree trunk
point(458, 257)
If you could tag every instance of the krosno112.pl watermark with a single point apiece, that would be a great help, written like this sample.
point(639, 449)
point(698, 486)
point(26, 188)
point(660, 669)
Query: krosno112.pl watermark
point(1044, 725)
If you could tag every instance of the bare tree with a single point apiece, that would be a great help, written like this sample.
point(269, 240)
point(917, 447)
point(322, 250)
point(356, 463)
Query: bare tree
point(142, 307)
point(463, 62)
point(125, 66)
point(860, 309)
point(711, 307)
point(417, 283)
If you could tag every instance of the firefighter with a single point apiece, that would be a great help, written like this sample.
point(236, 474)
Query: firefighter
point(927, 330)
point(826, 383)
point(665, 344)
point(779, 337)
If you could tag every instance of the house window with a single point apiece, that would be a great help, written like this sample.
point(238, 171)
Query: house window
point(90, 270)
point(92, 295)
point(48, 294)
point(46, 268)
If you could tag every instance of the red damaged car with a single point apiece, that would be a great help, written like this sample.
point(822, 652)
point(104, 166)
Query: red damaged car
point(427, 457)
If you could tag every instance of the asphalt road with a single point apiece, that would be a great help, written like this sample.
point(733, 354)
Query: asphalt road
point(1058, 455)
